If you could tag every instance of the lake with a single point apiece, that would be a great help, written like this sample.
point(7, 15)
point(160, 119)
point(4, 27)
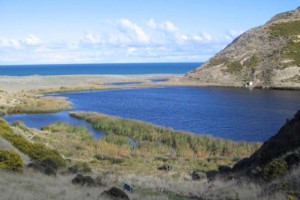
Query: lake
point(233, 113)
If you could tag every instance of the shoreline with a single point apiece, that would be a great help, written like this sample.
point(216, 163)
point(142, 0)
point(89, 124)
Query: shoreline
point(27, 94)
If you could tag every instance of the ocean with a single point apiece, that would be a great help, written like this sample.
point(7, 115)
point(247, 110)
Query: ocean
point(122, 68)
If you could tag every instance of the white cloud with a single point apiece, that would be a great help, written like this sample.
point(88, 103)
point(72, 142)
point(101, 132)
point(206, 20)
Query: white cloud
point(10, 43)
point(169, 26)
point(32, 40)
point(119, 41)
point(139, 32)
point(207, 36)
point(91, 38)
point(152, 24)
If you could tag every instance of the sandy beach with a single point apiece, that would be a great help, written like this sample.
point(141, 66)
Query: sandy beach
point(35, 83)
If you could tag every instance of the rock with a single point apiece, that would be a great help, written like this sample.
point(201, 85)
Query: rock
point(48, 167)
point(35, 166)
point(165, 167)
point(212, 174)
point(49, 163)
point(198, 175)
point(73, 170)
point(98, 181)
point(114, 193)
point(83, 180)
point(49, 171)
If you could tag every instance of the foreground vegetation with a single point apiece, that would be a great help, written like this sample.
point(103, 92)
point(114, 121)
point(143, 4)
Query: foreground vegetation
point(116, 158)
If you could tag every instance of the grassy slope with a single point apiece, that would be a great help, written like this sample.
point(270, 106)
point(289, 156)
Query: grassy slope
point(32, 185)
point(289, 31)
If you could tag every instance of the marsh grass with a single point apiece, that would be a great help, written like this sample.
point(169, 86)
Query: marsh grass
point(32, 105)
point(166, 140)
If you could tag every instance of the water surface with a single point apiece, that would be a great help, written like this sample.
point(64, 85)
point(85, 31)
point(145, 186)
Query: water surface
point(238, 114)
point(120, 68)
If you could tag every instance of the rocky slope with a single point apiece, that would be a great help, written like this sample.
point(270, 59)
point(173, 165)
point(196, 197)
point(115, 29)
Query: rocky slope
point(267, 56)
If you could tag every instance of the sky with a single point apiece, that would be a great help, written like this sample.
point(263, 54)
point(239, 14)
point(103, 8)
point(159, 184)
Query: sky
point(126, 31)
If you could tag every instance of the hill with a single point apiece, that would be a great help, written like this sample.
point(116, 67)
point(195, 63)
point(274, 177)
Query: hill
point(267, 56)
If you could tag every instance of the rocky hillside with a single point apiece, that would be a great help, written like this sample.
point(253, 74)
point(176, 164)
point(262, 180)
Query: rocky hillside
point(267, 56)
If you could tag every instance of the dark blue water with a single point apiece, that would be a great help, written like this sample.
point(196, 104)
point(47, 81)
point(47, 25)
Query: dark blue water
point(71, 69)
point(238, 114)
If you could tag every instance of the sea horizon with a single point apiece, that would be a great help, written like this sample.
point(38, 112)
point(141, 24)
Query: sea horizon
point(101, 69)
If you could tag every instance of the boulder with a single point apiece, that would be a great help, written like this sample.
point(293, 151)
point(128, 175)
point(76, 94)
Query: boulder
point(114, 193)
point(83, 180)
point(198, 175)
point(165, 167)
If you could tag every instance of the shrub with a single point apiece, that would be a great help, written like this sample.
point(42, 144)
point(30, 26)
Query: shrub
point(275, 169)
point(234, 67)
point(35, 151)
point(10, 161)
point(80, 167)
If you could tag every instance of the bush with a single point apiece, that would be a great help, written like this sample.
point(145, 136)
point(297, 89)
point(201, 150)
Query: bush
point(10, 161)
point(275, 169)
point(35, 151)
point(80, 167)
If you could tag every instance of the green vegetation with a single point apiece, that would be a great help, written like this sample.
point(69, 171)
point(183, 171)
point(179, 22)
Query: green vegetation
point(80, 167)
point(251, 62)
point(162, 139)
point(217, 61)
point(36, 151)
point(71, 130)
point(275, 169)
point(117, 140)
point(10, 161)
point(289, 31)
point(293, 52)
point(234, 67)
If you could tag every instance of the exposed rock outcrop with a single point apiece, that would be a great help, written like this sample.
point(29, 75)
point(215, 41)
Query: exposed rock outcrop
point(266, 56)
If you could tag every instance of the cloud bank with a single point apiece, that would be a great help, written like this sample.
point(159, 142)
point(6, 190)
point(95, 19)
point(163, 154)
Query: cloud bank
point(122, 41)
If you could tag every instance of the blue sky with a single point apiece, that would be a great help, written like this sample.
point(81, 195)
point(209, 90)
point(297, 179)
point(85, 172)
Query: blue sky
point(111, 31)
